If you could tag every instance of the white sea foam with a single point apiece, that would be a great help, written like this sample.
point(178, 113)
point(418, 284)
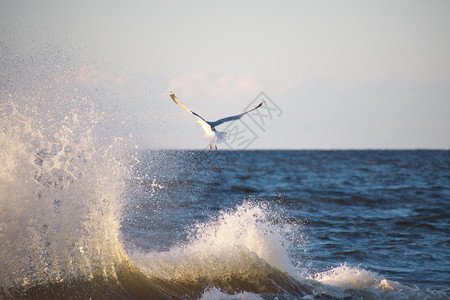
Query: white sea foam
point(356, 281)
point(349, 277)
point(216, 294)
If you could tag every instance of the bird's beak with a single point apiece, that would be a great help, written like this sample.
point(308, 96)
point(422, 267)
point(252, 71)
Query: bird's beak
point(196, 122)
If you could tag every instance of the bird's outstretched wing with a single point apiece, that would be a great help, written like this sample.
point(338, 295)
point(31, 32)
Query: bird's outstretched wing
point(175, 99)
point(232, 118)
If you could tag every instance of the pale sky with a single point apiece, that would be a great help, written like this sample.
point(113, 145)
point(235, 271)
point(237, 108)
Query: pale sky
point(344, 74)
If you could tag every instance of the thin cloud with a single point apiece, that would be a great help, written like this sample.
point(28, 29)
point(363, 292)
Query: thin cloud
point(219, 87)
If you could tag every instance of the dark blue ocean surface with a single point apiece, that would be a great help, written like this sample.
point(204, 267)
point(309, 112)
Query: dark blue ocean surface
point(351, 214)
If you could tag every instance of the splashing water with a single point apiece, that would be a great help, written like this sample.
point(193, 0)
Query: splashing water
point(59, 195)
point(239, 250)
point(62, 184)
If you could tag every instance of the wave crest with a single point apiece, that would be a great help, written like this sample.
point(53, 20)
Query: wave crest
point(239, 250)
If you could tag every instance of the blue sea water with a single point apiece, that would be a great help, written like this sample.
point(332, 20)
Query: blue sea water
point(355, 218)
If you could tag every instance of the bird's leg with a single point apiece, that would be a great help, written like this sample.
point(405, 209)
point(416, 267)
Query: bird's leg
point(215, 147)
point(210, 147)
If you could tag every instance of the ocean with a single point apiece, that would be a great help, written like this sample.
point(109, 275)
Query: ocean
point(85, 217)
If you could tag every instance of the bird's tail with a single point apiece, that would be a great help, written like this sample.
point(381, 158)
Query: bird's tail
point(216, 137)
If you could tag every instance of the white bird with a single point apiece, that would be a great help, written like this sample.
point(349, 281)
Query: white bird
point(212, 135)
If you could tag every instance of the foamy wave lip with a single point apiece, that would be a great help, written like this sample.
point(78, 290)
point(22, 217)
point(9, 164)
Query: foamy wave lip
point(247, 228)
point(242, 243)
point(355, 278)
point(349, 278)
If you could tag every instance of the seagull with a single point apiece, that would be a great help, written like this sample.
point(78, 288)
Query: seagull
point(212, 135)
